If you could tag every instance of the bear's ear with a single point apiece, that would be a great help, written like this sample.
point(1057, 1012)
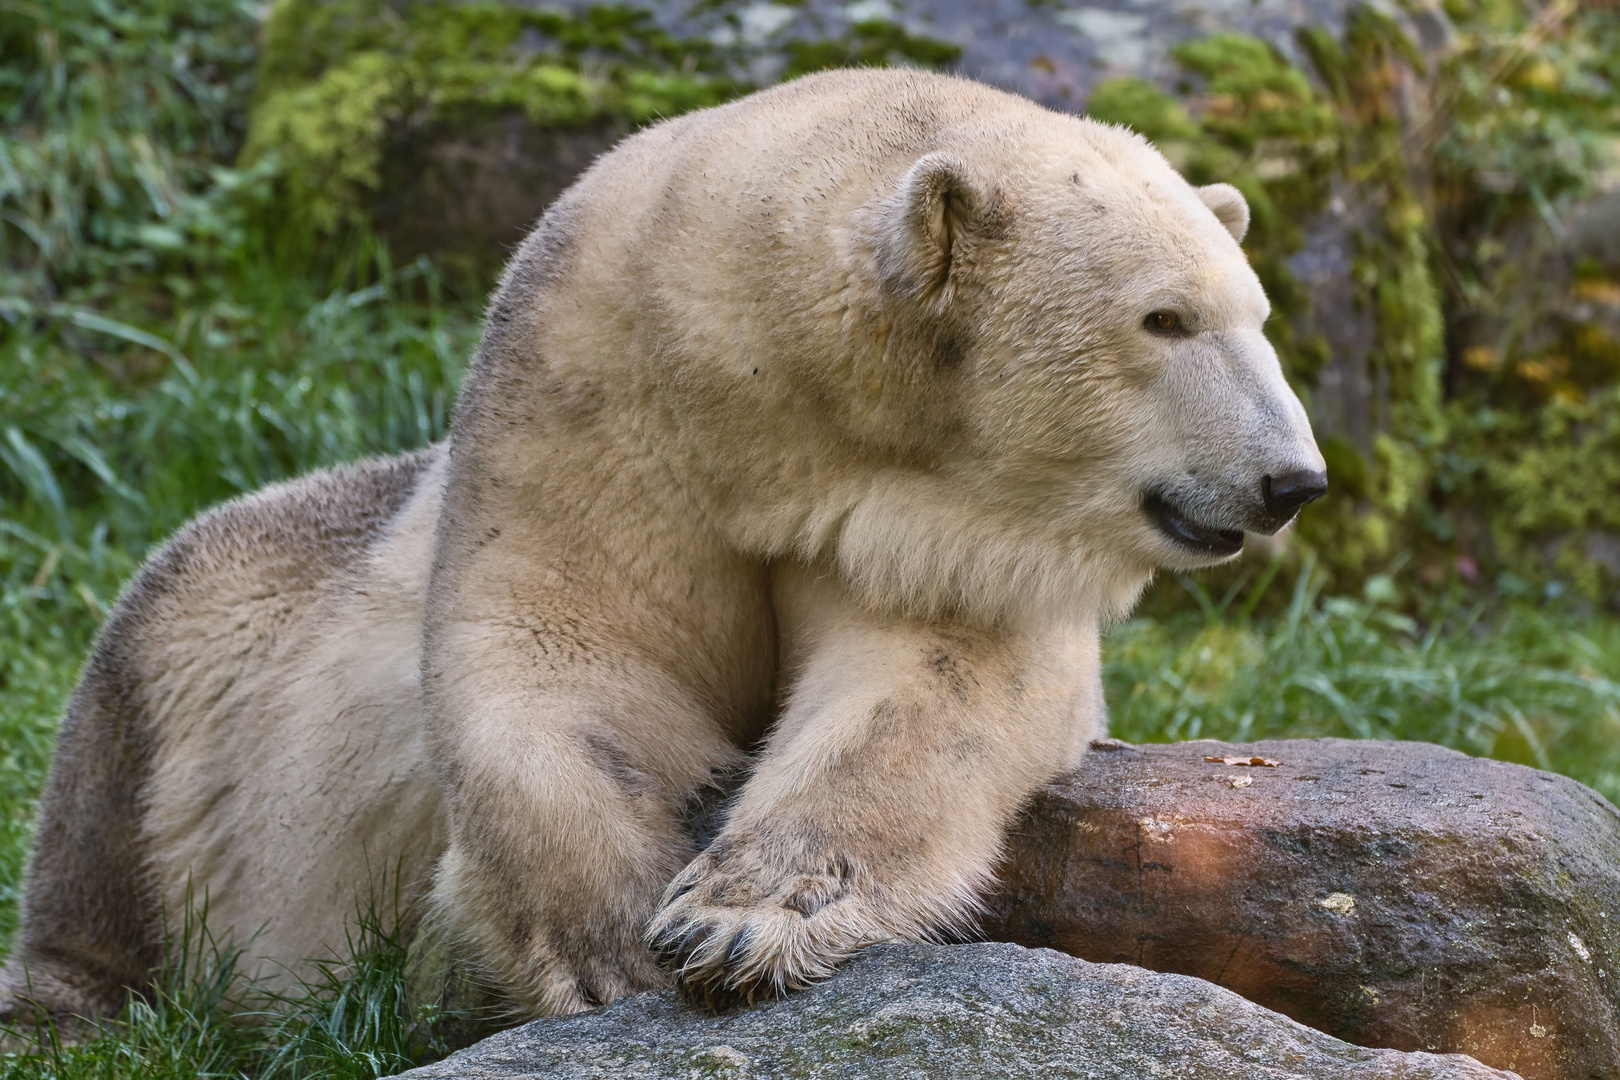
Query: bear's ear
point(921, 228)
point(1229, 206)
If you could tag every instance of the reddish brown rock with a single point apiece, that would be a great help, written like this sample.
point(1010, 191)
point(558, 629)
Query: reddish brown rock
point(1393, 895)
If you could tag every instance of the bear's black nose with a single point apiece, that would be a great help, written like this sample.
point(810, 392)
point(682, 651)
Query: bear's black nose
point(1285, 494)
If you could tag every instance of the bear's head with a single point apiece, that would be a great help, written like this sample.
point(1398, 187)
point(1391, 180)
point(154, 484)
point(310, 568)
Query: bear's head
point(1116, 406)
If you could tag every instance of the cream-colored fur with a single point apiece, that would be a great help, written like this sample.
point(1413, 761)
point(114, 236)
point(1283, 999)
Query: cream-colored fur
point(836, 417)
point(297, 793)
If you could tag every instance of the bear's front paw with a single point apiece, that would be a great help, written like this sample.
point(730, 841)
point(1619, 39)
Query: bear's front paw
point(732, 926)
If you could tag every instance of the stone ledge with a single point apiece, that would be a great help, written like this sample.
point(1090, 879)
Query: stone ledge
point(931, 1011)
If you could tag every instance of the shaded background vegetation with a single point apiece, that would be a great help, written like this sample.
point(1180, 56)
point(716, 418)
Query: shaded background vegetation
point(205, 287)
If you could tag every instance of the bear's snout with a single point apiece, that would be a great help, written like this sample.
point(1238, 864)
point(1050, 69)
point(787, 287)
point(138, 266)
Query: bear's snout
point(1284, 495)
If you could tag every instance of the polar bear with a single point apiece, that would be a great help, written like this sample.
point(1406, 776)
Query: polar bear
point(815, 436)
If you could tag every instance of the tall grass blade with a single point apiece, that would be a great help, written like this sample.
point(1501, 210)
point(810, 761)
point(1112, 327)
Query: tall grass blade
point(29, 466)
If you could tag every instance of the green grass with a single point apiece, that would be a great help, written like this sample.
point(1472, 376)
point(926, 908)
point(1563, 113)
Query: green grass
point(348, 1020)
point(94, 470)
point(1521, 684)
point(186, 1025)
point(166, 345)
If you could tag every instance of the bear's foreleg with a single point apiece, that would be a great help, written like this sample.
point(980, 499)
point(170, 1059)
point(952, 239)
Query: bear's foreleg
point(565, 825)
point(584, 672)
point(877, 808)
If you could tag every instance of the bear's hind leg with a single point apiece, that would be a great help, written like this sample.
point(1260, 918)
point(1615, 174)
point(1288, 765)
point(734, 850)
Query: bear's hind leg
point(89, 930)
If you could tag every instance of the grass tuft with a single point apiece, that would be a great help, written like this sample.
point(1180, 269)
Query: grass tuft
point(349, 1019)
point(203, 1018)
point(187, 1024)
point(1538, 687)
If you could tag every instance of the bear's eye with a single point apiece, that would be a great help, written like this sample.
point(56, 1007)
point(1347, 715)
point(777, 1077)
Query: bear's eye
point(1165, 322)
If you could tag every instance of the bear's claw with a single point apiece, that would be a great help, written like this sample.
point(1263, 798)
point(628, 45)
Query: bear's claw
point(733, 931)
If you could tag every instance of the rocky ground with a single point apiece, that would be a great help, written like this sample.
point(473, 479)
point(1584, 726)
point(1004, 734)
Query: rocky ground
point(934, 1012)
point(1267, 909)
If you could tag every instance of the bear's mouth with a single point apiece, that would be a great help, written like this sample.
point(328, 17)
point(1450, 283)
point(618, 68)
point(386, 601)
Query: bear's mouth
point(1185, 532)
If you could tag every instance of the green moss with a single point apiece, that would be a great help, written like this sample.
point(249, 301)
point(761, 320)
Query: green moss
point(1146, 109)
point(1558, 485)
point(337, 77)
point(872, 43)
point(1393, 264)
point(328, 136)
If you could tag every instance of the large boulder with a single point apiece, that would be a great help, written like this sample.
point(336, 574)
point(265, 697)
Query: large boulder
point(1391, 894)
point(950, 1011)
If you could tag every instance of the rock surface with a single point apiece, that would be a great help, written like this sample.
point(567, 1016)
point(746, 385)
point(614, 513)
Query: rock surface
point(1053, 52)
point(1391, 894)
point(950, 1011)
point(486, 184)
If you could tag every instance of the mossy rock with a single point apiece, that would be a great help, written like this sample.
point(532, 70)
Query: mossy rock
point(467, 190)
point(447, 127)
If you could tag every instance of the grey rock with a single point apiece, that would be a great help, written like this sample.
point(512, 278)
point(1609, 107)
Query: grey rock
point(1053, 51)
point(1593, 230)
point(930, 1011)
point(484, 184)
